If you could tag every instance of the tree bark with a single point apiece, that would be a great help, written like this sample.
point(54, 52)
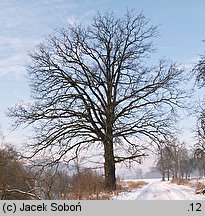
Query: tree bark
point(109, 166)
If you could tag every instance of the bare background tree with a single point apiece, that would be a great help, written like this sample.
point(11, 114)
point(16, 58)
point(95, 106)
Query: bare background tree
point(92, 88)
point(199, 72)
point(52, 184)
point(174, 160)
point(16, 181)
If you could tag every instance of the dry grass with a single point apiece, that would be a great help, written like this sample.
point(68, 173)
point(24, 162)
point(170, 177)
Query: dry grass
point(130, 185)
point(88, 185)
point(180, 181)
point(122, 186)
point(197, 185)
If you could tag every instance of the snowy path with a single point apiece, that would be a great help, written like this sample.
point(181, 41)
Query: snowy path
point(164, 191)
point(159, 190)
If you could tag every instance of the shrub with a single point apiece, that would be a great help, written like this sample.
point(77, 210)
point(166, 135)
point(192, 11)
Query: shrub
point(87, 184)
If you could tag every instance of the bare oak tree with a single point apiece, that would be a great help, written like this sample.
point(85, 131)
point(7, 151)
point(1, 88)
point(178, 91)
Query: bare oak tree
point(91, 86)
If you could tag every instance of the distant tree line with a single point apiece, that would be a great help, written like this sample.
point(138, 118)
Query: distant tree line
point(176, 161)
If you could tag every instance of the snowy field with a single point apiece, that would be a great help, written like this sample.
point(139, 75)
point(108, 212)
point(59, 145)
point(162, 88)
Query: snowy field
point(158, 190)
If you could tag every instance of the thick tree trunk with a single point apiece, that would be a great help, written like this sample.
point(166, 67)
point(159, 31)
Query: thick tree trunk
point(109, 166)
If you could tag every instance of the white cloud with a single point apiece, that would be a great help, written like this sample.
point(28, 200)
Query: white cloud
point(13, 65)
point(24, 24)
point(72, 20)
point(83, 18)
point(13, 55)
point(191, 63)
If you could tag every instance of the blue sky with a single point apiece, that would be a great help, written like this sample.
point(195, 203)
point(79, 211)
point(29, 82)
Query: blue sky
point(25, 23)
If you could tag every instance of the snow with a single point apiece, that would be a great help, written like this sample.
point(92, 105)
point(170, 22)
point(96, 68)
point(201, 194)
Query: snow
point(160, 190)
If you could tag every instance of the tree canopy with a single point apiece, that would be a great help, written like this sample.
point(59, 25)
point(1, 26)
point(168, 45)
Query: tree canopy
point(92, 87)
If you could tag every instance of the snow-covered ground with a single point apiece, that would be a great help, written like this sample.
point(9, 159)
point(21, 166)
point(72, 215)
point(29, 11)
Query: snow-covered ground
point(158, 190)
